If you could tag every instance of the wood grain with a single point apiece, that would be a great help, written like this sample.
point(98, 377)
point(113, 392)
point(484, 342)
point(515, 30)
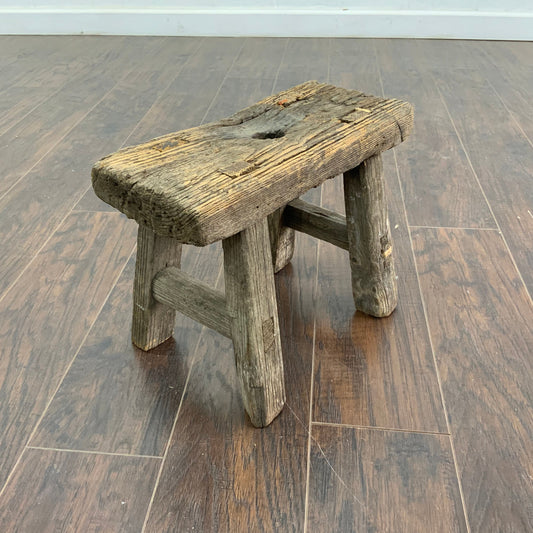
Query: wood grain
point(152, 322)
point(480, 321)
point(218, 473)
point(369, 240)
point(252, 307)
point(501, 156)
point(45, 317)
point(188, 98)
point(368, 480)
point(63, 63)
point(210, 182)
point(318, 222)
point(437, 182)
point(139, 392)
point(37, 204)
point(197, 300)
point(62, 491)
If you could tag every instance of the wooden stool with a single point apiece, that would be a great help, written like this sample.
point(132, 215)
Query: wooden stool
point(238, 180)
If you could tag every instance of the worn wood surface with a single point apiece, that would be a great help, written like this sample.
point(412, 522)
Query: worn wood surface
point(153, 321)
point(480, 321)
point(63, 491)
point(281, 240)
point(253, 310)
point(368, 480)
point(193, 298)
point(207, 183)
point(318, 222)
point(369, 239)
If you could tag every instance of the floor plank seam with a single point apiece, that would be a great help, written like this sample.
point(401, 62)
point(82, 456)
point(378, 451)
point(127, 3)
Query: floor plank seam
point(93, 452)
point(378, 428)
point(511, 114)
point(454, 228)
point(202, 331)
point(467, 155)
point(66, 372)
point(443, 401)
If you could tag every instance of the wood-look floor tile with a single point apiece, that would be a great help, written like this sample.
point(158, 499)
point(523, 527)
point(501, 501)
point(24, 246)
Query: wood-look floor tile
point(367, 480)
point(373, 371)
point(115, 397)
point(501, 155)
point(221, 473)
point(480, 321)
point(438, 184)
point(46, 315)
point(63, 491)
point(37, 204)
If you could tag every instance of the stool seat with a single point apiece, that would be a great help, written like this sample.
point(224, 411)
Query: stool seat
point(208, 183)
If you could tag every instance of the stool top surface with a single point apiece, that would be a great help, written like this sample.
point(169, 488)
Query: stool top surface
point(207, 183)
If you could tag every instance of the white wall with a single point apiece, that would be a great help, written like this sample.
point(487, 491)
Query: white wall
point(466, 19)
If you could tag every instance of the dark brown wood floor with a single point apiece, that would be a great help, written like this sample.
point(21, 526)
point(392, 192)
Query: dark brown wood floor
point(420, 422)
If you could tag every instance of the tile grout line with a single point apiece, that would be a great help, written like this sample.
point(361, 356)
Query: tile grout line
point(437, 373)
point(90, 66)
point(32, 434)
point(509, 111)
point(482, 189)
point(453, 227)
point(379, 428)
point(71, 210)
point(174, 424)
point(61, 222)
point(313, 350)
point(94, 452)
point(161, 94)
point(202, 331)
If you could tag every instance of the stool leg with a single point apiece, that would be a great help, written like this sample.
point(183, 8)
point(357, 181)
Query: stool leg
point(152, 322)
point(281, 240)
point(252, 306)
point(369, 239)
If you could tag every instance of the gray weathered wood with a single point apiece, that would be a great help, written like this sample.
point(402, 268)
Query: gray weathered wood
point(281, 240)
point(210, 182)
point(370, 243)
point(182, 292)
point(251, 303)
point(317, 222)
point(153, 322)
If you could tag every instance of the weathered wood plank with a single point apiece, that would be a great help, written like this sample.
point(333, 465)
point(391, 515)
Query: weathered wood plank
point(153, 322)
point(480, 320)
point(370, 243)
point(193, 298)
point(318, 222)
point(252, 306)
point(281, 240)
point(369, 480)
point(62, 491)
point(207, 183)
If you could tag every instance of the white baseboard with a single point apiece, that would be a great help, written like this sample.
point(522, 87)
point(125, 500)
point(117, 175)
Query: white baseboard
point(271, 22)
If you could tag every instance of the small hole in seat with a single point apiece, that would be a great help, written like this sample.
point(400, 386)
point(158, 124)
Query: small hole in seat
point(276, 134)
